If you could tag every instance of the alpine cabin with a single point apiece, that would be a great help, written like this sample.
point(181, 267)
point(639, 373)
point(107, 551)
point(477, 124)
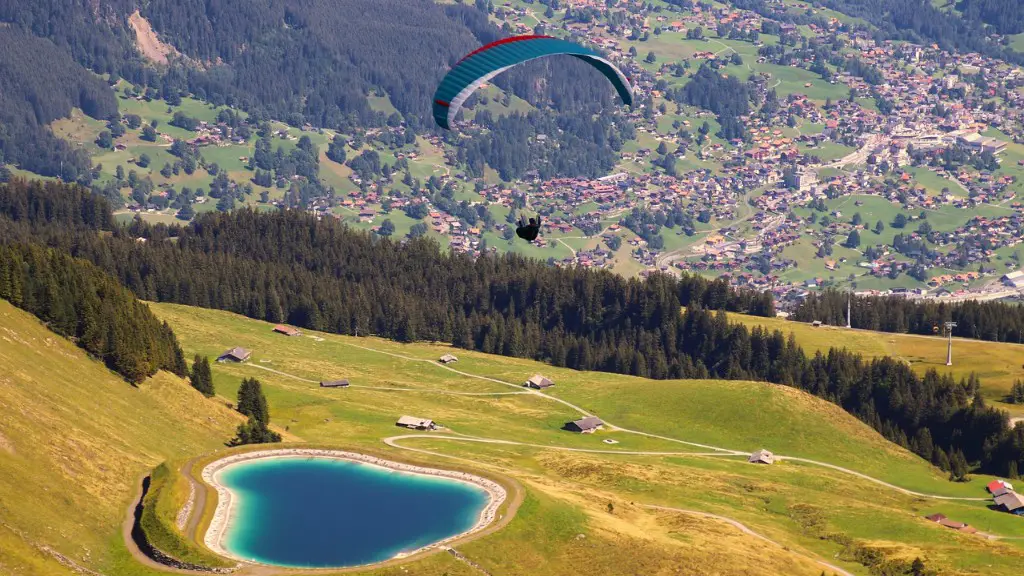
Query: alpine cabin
point(538, 382)
point(235, 355)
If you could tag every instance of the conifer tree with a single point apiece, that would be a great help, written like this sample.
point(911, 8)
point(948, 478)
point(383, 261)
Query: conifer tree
point(202, 377)
point(252, 402)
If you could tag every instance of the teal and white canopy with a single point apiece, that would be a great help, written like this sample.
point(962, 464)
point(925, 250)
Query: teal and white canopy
point(486, 62)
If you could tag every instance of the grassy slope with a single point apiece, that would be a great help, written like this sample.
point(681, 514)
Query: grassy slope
point(74, 442)
point(568, 493)
point(998, 365)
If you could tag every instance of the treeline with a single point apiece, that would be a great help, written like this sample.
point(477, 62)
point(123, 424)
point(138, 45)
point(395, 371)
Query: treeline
point(289, 267)
point(74, 298)
point(994, 321)
point(40, 83)
point(77, 300)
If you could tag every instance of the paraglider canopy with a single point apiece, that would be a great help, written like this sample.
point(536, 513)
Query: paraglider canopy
point(488, 61)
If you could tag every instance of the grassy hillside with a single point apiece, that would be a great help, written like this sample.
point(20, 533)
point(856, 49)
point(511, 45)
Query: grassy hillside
point(998, 365)
point(587, 510)
point(75, 440)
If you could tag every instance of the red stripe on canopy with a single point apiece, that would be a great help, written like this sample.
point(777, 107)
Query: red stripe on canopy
point(442, 103)
point(504, 41)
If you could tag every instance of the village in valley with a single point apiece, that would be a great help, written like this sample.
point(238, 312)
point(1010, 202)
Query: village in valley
point(876, 167)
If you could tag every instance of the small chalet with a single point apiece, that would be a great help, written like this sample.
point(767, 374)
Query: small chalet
point(585, 425)
point(415, 423)
point(235, 355)
point(287, 330)
point(1011, 502)
point(448, 359)
point(762, 457)
point(538, 382)
point(1001, 486)
point(334, 384)
point(942, 520)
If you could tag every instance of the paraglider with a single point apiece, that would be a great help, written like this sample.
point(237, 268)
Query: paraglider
point(529, 231)
point(488, 61)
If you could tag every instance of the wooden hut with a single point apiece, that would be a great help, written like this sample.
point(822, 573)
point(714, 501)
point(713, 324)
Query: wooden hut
point(762, 457)
point(287, 330)
point(586, 425)
point(538, 382)
point(334, 383)
point(236, 354)
point(415, 423)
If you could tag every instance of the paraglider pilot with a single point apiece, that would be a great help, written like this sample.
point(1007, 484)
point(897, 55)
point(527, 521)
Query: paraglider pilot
point(529, 231)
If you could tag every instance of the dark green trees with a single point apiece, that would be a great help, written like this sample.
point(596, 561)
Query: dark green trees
point(253, 404)
point(201, 377)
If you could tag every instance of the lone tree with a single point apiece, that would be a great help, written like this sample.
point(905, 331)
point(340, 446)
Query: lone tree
point(853, 240)
point(201, 377)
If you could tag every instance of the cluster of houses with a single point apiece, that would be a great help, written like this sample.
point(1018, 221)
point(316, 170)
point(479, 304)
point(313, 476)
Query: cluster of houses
point(1004, 497)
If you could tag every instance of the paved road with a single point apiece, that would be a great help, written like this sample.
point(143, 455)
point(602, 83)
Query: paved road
point(742, 528)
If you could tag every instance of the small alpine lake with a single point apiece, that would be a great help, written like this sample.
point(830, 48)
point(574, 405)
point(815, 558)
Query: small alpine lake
point(309, 511)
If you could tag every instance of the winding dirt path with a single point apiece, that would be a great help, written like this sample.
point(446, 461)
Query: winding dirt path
point(743, 528)
point(393, 442)
point(389, 389)
point(717, 449)
point(198, 505)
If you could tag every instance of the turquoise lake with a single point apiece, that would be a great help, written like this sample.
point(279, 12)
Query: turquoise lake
point(328, 513)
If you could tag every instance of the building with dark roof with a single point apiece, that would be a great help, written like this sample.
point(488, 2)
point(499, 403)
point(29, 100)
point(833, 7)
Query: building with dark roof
point(538, 382)
point(236, 354)
point(585, 425)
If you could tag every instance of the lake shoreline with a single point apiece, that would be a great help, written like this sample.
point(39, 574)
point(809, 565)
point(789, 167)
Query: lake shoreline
point(221, 522)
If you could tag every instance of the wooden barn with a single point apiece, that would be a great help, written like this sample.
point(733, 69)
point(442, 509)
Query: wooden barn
point(414, 423)
point(538, 382)
point(762, 457)
point(236, 354)
point(1011, 502)
point(586, 425)
point(1000, 486)
point(287, 330)
point(334, 383)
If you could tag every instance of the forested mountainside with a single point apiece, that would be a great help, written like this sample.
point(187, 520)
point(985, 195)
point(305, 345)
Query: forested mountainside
point(288, 266)
point(303, 62)
point(1005, 16)
point(40, 83)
